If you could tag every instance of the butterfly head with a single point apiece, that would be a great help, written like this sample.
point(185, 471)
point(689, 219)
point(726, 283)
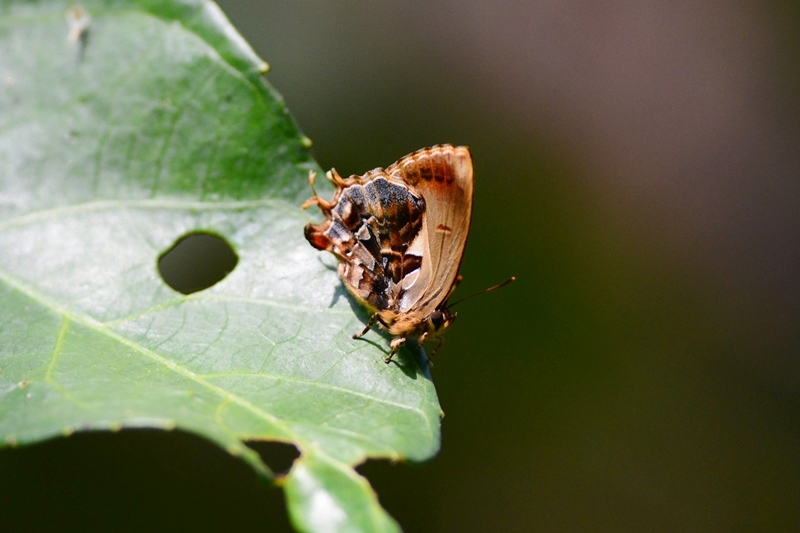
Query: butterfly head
point(440, 320)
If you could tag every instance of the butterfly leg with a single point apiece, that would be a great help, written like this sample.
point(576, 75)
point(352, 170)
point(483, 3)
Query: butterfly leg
point(438, 345)
point(315, 200)
point(368, 327)
point(396, 344)
point(421, 340)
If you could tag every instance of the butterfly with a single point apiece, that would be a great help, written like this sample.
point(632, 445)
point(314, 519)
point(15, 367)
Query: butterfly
point(399, 234)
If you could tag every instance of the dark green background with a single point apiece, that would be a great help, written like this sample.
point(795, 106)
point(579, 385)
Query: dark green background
point(637, 169)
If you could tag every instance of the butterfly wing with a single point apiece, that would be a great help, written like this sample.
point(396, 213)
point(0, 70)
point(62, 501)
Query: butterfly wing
point(370, 226)
point(443, 176)
point(400, 233)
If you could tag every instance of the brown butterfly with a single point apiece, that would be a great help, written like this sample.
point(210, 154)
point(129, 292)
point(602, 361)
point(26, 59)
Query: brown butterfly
point(399, 235)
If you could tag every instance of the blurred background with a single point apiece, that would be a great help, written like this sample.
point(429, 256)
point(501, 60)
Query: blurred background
point(638, 169)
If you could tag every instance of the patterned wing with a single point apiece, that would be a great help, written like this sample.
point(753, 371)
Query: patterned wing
point(400, 233)
point(443, 176)
point(371, 225)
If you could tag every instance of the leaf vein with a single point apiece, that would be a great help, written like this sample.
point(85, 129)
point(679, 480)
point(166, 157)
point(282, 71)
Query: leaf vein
point(322, 385)
point(70, 316)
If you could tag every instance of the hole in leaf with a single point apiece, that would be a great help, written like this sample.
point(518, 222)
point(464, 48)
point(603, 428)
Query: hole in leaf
point(391, 481)
point(196, 261)
point(279, 456)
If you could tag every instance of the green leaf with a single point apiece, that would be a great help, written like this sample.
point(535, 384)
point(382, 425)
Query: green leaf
point(325, 495)
point(124, 127)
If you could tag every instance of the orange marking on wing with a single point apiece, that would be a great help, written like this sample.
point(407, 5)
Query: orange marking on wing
point(441, 228)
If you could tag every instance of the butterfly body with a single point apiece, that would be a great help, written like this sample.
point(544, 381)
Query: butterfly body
point(399, 234)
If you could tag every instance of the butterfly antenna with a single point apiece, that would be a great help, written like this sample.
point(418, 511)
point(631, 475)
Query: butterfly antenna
point(484, 291)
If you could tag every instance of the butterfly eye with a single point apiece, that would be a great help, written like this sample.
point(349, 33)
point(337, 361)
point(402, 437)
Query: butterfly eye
point(437, 319)
point(441, 319)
